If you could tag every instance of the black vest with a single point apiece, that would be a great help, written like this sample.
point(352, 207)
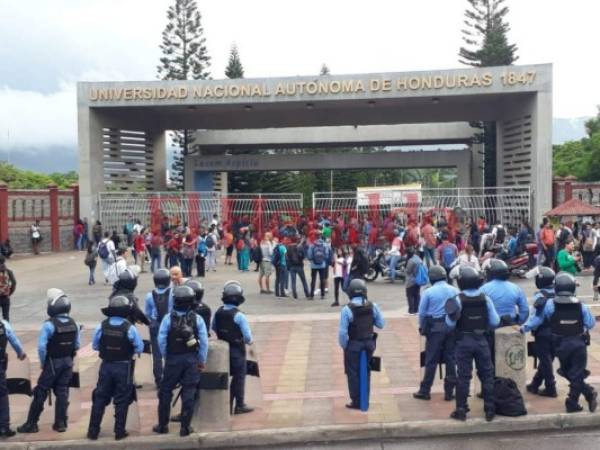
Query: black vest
point(539, 305)
point(474, 314)
point(361, 327)
point(161, 303)
point(203, 311)
point(183, 329)
point(114, 342)
point(3, 341)
point(62, 342)
point(227, 329)
point(567, 319)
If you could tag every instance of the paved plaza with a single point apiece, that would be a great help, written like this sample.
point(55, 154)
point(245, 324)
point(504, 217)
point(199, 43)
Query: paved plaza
point(302, 378)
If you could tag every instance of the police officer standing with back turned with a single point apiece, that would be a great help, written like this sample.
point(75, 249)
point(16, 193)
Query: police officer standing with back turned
point(356, 334)
point(440, 338)
point(7, 336)
point(569, 322)
point(231, 326)
point(473, 314)
point(184, 342)
point(544, 280)
point(200, 308)
point(58, 342)
point(158, 304)
point(117, 340)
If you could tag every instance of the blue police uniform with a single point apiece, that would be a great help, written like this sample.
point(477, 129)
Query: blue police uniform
point(7, 336)
point(117, 340)
point(231, 326)
point(543, 343)
point(440, 338)
point(58, 341)
point(181, 362)
point(477, 315)
point(507, 298)
point(159, 303)
point(355, 334)
point(568, 323)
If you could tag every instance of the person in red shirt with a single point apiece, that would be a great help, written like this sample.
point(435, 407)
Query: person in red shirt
point(139, 247)
point(174, 250)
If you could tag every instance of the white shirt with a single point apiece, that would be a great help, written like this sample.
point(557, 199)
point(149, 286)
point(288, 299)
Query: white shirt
point(116, 269)
point(338, 269)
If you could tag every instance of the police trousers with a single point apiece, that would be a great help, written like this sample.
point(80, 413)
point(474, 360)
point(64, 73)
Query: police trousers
point(545, 354)
point(115, 382)
point(473, 347)
point(352, 365)
point(572, 355)
point(179, 369)
point(157, 362)
point(237, 370)
point(439, 347)
point(56, 376)
point(4, 406)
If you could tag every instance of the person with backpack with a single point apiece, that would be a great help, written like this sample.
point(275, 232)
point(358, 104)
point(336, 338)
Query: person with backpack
point(188, 253)
point(439, 344)
point(447, 253)
point(319, 256)
point(211, 242)
point(202, 251)
point(8, 284)
point(588, 245)
point(154, 247)
point(295, 264)
point(413, 287)
point(570, 321)
point(341, 271)
point(106, 253)
point(281, 273)
point(91, 260)
point(255, 253)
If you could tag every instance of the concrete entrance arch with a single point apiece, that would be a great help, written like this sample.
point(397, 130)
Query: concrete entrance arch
point(122, 125)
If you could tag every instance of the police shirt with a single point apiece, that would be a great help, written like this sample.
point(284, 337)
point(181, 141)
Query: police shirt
point(132, 334)
point(506, 296)
point(47, 332)
point(347, 317)
point(433, 301)
point(12, 338)
point(240, 320)
point(493, 317)
point(532, 322)
point(163, 334)
point(588, 319)
point(150, 307)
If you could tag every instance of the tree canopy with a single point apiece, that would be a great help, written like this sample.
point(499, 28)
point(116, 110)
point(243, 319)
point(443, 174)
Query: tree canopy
point(26, 179)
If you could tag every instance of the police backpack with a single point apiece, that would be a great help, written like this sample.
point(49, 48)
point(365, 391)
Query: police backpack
point(508, 399)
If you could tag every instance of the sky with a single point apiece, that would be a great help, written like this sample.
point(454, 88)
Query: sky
point(47, 46)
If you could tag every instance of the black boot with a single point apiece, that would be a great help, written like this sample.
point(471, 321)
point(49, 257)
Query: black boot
point(459, 414)
point(532, 388)
point(572, 406)
point(160, 429)
point(28, 427)
point(242, 409)
point(592, 400)
point(60, 426)
point(7, 432)
point(422, 395)
point(35, 410)
point(549, 391)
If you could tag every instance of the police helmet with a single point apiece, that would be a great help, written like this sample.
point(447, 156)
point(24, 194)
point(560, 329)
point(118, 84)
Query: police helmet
point(197, 288)
point(233, 293)
point(119, 305)
point(565, 284)
point(162, 278)
point(544, 278)
point(58, 302)
point(469, 278)
point(357, 288)
point(183, 297)
point(127, 280)
point(497, 270)
point(437, 273)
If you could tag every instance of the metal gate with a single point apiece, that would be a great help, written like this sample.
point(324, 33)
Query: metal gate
point(507, 205)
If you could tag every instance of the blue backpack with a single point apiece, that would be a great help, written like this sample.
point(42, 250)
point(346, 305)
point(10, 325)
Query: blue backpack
point(319, 254)
point(448, 256)
point(276, 257)
point(422, 277)
point(103, 250)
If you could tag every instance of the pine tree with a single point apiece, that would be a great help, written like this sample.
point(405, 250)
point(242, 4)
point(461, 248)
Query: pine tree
point(485, 36)
point(185, 57)
point(325, 70)
point(234, 67)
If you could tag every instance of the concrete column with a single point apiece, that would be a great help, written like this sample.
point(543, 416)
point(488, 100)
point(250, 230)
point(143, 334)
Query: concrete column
point(91, 170)
point(4, 212)
point(159, 150)
point(75, 189)
point(511, 356)
point(212, 410)
point(477, 165)
point(542, 161)
point(54, 218)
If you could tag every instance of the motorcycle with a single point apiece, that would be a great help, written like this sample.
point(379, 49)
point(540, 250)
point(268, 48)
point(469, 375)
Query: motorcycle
point(518, 265)
point(378, 265)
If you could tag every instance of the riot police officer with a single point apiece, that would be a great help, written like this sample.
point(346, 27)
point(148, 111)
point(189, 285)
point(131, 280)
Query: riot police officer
point(231, 326)
point(440, 338)
point(117, 340)
point(184, 342)
point(472, 313)
point(356, 334)
point(200, 308)
point(7, 336)
point(159, 303)
point(125, 286)
point(569, 322)
point(58, 342)
point(544, 280)
point(508, 298)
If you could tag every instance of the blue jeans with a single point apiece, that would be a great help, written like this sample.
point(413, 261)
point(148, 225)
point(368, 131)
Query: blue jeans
point(298, 271)
point(92, 279)
point(392, 266)
point(429, 256)
point(155, 264)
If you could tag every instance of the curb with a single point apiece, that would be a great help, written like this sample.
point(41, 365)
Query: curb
point(302, 435)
